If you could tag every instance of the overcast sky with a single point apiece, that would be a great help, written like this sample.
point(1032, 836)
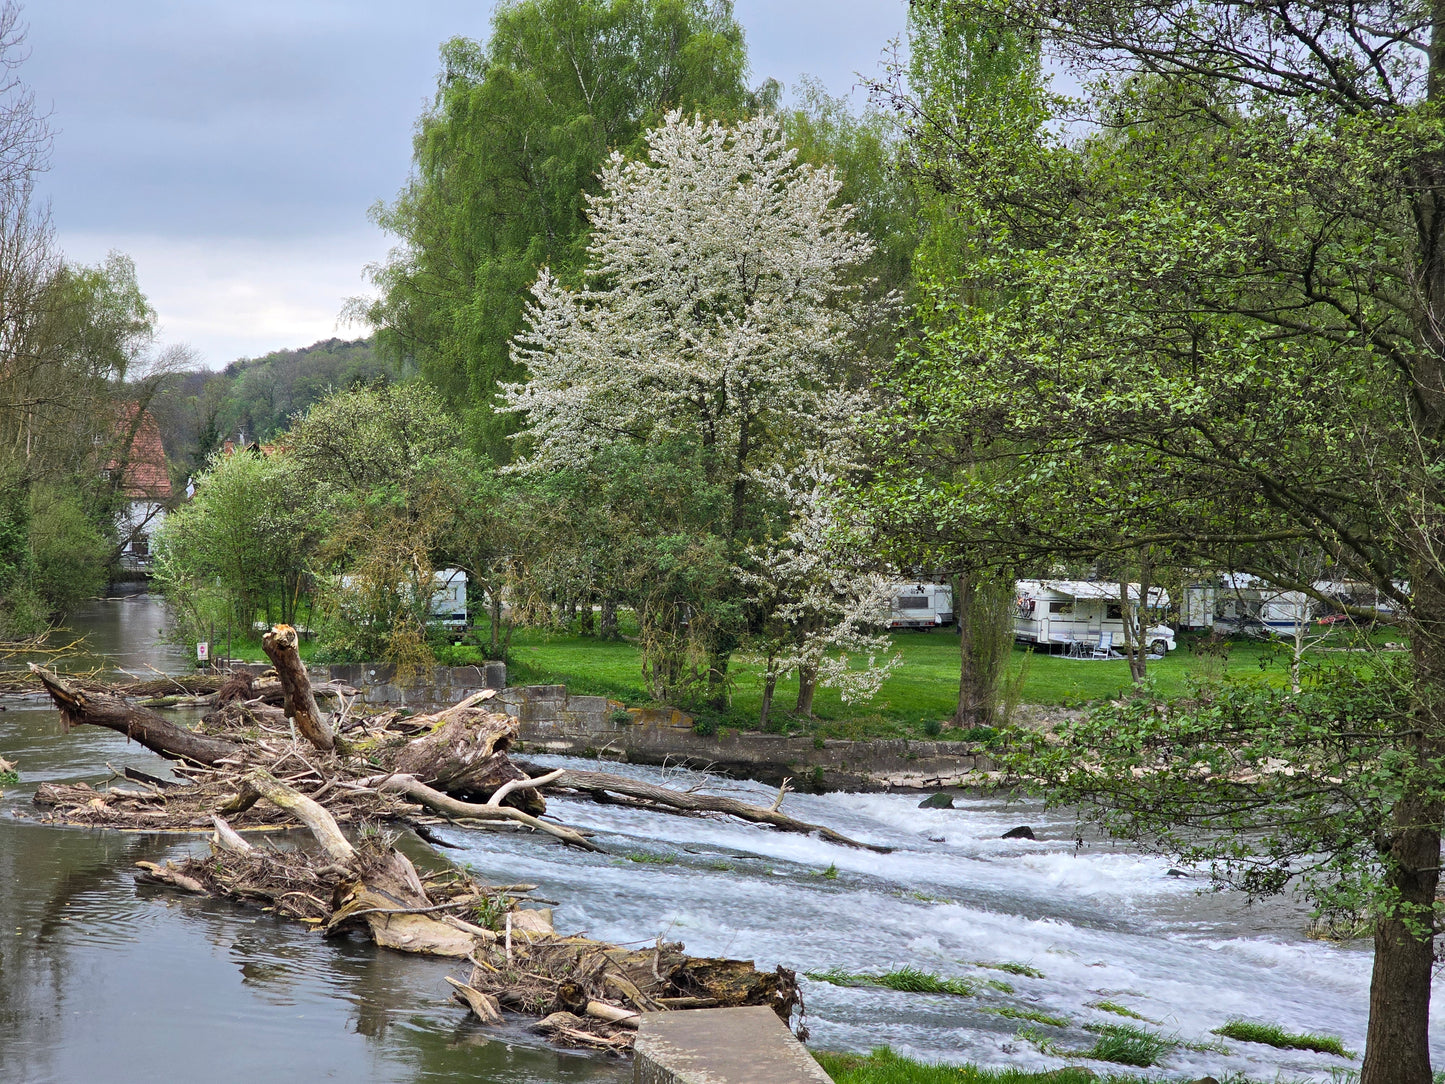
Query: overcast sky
point(233, 149)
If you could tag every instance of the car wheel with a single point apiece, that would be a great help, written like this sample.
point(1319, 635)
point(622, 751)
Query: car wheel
point(1158, 647)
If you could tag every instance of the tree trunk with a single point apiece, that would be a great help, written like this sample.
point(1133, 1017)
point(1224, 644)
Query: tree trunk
point(968, 710)
point(280, 645)
point(807, 684)
point(1397, 1043)
point(770, 686)
point(717, 681)
point(609, 619)
point(139, 724)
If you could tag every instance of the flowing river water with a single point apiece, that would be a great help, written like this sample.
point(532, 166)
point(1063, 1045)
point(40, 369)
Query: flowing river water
point(100, 977)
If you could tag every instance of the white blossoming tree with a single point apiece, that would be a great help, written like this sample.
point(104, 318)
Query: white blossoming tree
point(822, 602)
point(711, 326)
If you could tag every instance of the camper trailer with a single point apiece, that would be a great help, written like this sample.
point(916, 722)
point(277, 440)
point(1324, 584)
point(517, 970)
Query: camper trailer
point(448, 606)
point(1240, 602)
point(1084, 618)
point(921, 605)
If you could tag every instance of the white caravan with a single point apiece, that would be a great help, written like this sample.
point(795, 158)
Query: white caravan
point(1240, 602)
point(920, 605)
point(1085, 617)
point(448, 605)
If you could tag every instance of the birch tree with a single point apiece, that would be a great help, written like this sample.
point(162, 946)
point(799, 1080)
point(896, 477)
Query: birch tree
point(713, 317)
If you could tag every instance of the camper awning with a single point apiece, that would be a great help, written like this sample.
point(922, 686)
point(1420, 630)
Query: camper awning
point(1094, 589)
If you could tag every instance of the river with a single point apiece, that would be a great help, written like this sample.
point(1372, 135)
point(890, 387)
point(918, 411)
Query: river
point(99, 977)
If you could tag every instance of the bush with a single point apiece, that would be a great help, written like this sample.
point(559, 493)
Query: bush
point(71, 558)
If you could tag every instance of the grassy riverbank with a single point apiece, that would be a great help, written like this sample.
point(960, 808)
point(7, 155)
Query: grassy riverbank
point(915, 701)
point(918, 695)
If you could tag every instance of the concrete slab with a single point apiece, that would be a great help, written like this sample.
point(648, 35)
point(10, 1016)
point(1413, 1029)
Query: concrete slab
point(721, 1046)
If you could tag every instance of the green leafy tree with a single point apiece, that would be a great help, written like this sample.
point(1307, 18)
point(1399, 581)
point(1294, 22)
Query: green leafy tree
point(386, 466)
point(241, 550)
point(1204, 312)
point(505, 159)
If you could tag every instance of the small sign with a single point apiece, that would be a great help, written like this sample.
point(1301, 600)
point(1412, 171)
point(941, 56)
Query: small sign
point(203, 651)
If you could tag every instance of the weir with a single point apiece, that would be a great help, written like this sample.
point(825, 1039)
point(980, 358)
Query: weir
point(721, 1046)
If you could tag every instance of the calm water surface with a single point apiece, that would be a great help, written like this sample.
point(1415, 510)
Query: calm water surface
point(101, 979)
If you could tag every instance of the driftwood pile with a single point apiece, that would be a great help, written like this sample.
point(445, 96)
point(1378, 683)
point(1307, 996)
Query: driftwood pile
point(265, 756)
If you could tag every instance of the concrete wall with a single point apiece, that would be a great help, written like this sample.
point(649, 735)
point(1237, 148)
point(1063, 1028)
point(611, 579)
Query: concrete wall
point(721, 1046)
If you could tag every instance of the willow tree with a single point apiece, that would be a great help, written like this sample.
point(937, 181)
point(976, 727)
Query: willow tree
point(712, 329)
point(1217, 323)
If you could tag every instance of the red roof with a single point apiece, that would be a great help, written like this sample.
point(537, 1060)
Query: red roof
point(146, 473)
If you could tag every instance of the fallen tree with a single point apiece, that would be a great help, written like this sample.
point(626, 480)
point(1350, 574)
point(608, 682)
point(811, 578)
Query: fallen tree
point(251, 767)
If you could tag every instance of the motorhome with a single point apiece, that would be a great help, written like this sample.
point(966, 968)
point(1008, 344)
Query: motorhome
point(920, 605)
point(1084, 618)
point(1240, 602)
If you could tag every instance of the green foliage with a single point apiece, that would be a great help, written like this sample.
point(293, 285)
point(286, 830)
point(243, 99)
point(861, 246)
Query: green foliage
point(1012, 968)
point(649, 859)
point(1031, 1015)
point(1117, 1009)
point(197, 409)
point(1273, 1035)
point(385, 464)
point(906, 979)
point(71, 558)
point(883, 1066)
point(1126, 1044)
point(239, 550)
point(506, 157)
point(1262, 786)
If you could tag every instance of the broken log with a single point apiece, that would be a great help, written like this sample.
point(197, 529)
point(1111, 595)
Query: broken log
point(601, 783)
point(280, 645)
point(465, 754)
point(445, 804)
point(139, 724)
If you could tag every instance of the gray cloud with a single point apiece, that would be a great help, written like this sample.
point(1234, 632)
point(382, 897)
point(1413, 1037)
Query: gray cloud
point(256, 126)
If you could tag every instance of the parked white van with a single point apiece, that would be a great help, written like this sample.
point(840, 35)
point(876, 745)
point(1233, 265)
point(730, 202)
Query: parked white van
point(1085, 617)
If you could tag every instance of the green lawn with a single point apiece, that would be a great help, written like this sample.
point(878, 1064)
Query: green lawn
point(922, 689)
point(918, 695)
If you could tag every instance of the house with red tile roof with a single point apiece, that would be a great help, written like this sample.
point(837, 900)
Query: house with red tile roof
point(142, 478)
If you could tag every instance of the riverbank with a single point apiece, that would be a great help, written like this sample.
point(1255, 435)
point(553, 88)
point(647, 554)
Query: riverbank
point(556, 722)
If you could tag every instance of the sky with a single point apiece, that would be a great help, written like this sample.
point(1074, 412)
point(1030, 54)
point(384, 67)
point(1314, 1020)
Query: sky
point(233, 149)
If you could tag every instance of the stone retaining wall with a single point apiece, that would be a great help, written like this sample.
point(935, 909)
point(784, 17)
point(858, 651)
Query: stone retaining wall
point(378, 688)
point(593, 726)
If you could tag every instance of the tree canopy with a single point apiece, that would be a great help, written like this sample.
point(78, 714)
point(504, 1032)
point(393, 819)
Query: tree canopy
point(506, 156)
point(1201, 311)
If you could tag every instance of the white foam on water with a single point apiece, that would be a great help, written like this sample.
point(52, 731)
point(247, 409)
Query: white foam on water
point(1100, 921)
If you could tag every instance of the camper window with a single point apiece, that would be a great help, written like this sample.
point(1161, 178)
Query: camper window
point(1114, 611)
point(911, 602)
point(1065, 607)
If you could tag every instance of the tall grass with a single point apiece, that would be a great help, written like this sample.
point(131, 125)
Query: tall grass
point(906, 979)
point(1246, 1031)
